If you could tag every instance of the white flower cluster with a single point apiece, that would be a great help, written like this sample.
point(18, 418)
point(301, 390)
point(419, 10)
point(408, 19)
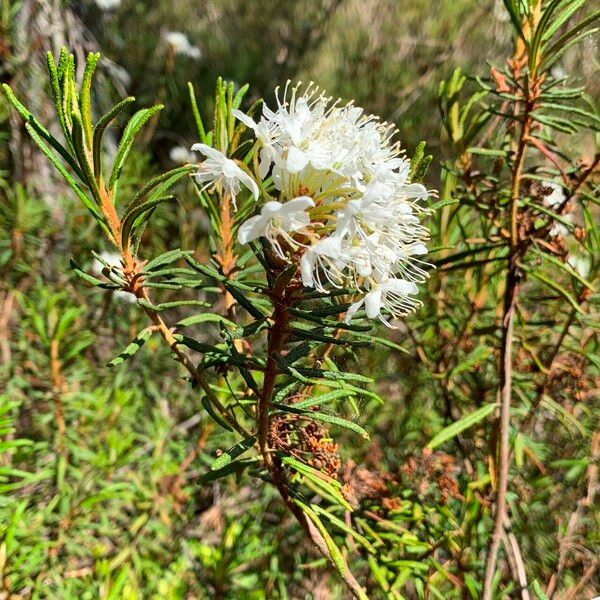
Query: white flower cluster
point(345, 208)
point(181, 44)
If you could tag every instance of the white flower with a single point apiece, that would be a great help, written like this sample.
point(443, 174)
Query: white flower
point(107, 4)
point(181, 44)
point(217, 168)
point(324, 257)
point(556, 197)
point(275, 220)
point(558, 72)
point(554, 201)
point(366, 231)
point(180, 154)
point(393, 295)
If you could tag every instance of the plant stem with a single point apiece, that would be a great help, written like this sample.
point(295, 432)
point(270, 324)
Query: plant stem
point(276, 340)
point(505, 366)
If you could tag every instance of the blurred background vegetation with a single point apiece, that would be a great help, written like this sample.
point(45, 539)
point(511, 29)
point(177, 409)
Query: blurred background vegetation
point(102, 502)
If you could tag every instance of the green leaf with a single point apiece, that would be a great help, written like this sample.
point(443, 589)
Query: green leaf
point(240, 96)
point(90, 279)
point(206, 318)
point(42, 132)
point(334, 552)
point(196, 113)
point(537, 590)
point(138, 120)
point(463, 423)
point(208, 407)
point(323, 417)
point(478, 355)
point(326, 485)
point(563, 266)
point(57, 95)
point(130, 216)
point(552, 284)
point(82, 157)
point(245, 302)
point(168, 305)
point(63, 171)
point(166, 258)
point(322, 399)
point(162, 183)
point(141, 338)
point(539, 32)
point(361, 539)
point(233, 452)
point(232, 467)
point(515, 17)
point(99, 130)
point(562, 18)
point(560, 411)
point(573, 35)
point(86, 87)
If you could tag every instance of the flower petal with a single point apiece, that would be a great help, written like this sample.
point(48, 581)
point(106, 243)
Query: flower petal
point(296, 160)
point(298, 204)
point(244, 118)
point(373, 303)
point(251, 229)
point(249, 183)
point(271, 208)
point(307, 264)
point(401, 286)
point(353, 310)
point(210, 152)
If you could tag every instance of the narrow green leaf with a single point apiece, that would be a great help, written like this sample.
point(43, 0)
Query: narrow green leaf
point(463, 423)
point(334, 552)
point(166, 258)
point(552, 284)
point(515, 17)
point(168, 305)
point(82, 157)
point(233, 452)
point(206, 318)
point(86, 103)
point(99, 130)
point(323, 417)
point(90, 279)
point(61, 169)
point(232, 467)
point(208, 407)
point(130, 217)
point(162, 183)
point(537, 590)
point(196, 113)
point(361, 539)
point(324, 483)
point(138, 120)
point(41, 130)
point(141, 338)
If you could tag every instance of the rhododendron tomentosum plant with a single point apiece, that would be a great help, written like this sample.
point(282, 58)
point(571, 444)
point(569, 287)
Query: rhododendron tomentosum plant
point(314, 218)
point(345, 207)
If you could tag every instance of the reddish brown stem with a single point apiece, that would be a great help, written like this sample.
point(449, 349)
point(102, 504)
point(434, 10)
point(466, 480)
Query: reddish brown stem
point(276, 340)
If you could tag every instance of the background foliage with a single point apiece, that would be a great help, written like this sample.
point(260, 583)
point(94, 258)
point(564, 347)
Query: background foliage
point(100, 467)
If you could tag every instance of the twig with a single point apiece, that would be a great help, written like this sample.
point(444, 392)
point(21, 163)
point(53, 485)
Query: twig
point(505, 367)
point(516, 558)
